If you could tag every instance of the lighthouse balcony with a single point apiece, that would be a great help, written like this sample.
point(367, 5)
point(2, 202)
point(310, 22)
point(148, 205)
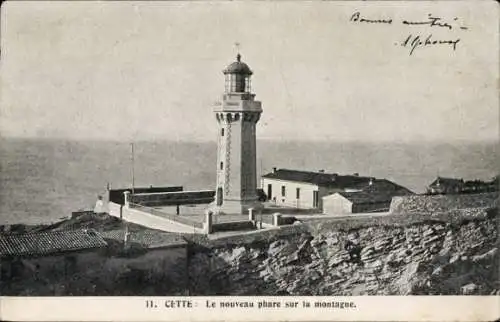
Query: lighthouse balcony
point(239, 106)
point(238, 96)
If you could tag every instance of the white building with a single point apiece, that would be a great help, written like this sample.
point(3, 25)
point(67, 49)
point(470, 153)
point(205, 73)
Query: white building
point(306, 190)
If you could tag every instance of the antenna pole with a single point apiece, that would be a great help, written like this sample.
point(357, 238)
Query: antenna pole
point(260, 173)
point(133, 172)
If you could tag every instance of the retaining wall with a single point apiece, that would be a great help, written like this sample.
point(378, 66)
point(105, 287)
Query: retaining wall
point(173, 198)
point(151, 221)
point(442, 203)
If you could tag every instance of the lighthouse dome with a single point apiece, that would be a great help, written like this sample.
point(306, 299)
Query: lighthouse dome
point(238, 67)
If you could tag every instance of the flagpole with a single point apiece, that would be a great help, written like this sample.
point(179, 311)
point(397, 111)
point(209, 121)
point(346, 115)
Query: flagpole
point(133, 173)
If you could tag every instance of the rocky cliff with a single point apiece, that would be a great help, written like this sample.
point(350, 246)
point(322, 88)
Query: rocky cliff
point(454, 254)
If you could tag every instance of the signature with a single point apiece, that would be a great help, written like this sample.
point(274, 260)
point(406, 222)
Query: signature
point(414, 42)
point(431, 21)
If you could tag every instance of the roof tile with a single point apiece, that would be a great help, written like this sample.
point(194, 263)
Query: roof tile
point(45, 243)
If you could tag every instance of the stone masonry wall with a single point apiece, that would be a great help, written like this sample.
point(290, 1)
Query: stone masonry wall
point(440, 203)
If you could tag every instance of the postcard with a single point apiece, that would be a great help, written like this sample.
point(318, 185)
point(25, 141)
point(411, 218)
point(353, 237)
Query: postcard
point(249, 161)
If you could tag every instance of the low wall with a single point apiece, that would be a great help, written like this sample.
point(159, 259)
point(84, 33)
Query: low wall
point(286, 220)
point(232, 225)
point(442, 203)
point(145, 219)
point(116, 195)
point(371, 207)
point(176, 218)
point(173, 198)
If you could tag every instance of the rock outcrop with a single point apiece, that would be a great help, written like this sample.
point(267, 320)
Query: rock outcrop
point(422, 258)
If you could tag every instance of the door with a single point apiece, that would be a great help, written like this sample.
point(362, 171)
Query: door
point(219, 196)
point(315, 199)
point(269, 191)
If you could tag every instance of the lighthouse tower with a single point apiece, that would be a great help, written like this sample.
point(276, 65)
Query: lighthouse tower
point(237, 117)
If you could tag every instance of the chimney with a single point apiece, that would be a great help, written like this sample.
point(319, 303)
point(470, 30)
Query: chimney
point(274, 169)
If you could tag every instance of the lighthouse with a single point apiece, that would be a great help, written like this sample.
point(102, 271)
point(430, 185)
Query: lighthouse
point(237, 116)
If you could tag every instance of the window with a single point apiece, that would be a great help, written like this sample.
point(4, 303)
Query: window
point(297, 194)
point(222, 165)
point(222, 132)
point(283, 191)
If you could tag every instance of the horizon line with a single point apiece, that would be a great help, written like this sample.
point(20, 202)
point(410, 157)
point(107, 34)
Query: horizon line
point(266, 139)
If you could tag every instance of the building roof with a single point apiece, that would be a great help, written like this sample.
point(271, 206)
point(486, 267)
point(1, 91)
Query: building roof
point(319, 178)
point(381, 190)
point(447, 181)
point(365, 197)
point(147, 238)
point(45, 243)
point(238, 67)
point(387, 186)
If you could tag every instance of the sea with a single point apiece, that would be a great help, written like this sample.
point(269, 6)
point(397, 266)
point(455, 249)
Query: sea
point(44, 180)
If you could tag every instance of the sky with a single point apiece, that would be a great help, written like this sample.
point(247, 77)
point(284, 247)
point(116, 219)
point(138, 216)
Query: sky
point(153, 70)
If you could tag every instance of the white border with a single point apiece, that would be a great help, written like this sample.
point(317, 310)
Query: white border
point(368, 308)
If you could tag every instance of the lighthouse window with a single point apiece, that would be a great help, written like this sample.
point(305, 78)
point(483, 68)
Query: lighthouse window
point(222, 165)
point(283, 191)
point(222, 132)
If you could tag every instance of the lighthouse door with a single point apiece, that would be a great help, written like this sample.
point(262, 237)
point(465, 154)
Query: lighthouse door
point(219, 196)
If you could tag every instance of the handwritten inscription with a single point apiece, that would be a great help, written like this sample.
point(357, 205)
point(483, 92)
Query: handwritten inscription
point(356, 17)
point(435, 22)
point(416, 41)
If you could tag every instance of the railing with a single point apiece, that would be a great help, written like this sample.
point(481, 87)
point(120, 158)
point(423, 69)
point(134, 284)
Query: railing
point(176, 218)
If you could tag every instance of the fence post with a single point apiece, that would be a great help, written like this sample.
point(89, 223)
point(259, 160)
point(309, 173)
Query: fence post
point(126, 195)
point(208, 222)
point(276, 219)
